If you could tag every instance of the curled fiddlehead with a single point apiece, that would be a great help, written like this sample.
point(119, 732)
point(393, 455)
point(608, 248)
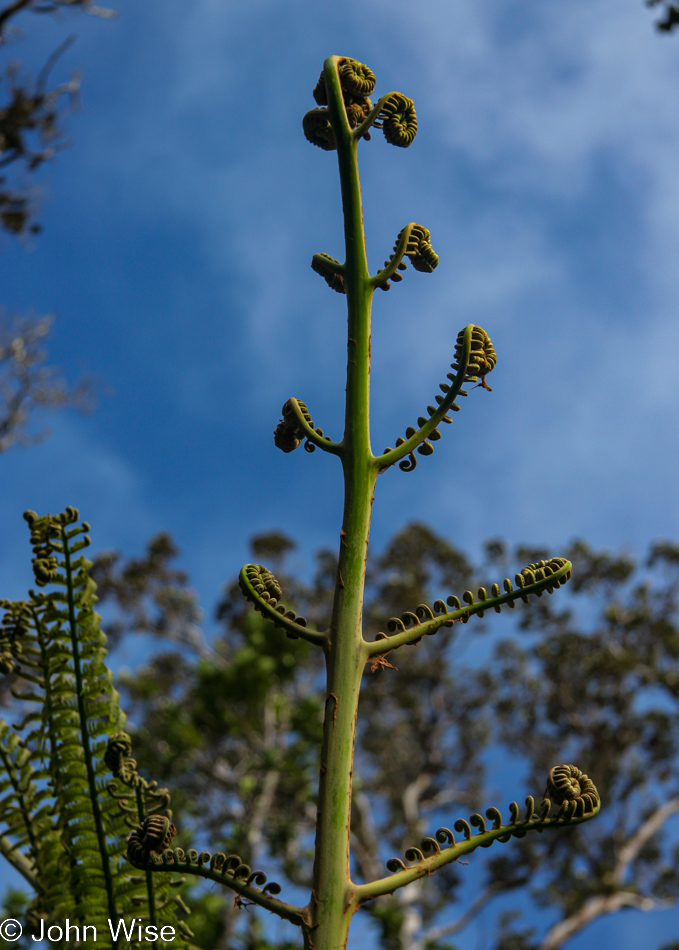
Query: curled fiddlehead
point(572, 790)
point(422, 255)
point(263, 590)
point(397, 119)
point(331, 270)
point(318, 130)
point(148, 797)
point(474, 354)
point(153, 836)
point(413, 242)
point(320, 92)
point(540, 571)
point(358, 111)
point(411, 626)
point(15, 625)
point(356, 78)
point(46, 544)
point(118, 758)
point(567, 785)
point(482, 357)
point(394, 113)
point(297, 425)
point(357, 81)
point(288, 434)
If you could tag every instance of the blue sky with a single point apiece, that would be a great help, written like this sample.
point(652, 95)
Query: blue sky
point(179, 230)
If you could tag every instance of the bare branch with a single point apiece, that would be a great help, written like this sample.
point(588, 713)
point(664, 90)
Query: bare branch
point(434, 934)
point(592, 909)
point(11, 11)
point(630, 851)
point(20, 862)
point(49, 6)
point(411, 798)
point(364, 841)
point(27, 384)
point(610, 903)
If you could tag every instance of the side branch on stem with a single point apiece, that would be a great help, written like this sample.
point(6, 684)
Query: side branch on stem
point(228, 871)
point(263, 590)
point(474, 357)
point(583, 805)
point(414, 242)
point(413, 625)
point(297, 425)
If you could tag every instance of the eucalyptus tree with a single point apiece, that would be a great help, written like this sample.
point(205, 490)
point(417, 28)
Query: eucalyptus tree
point(595, 677)
point(598, 676)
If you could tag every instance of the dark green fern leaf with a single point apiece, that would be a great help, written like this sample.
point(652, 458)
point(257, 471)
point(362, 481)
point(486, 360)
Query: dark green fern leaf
point(62, 826)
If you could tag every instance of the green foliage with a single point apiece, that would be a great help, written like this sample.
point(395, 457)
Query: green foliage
point(62, 829)
point(445, 715)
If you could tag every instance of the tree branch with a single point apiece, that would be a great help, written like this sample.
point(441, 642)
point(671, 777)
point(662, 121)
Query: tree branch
point(592, 909)
point(610, 903)
point(630, 851)
point(365, 845)
point(19, 862)
point(434, 934)
point(10, 11)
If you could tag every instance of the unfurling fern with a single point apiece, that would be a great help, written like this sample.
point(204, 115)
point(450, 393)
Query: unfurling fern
point(60, 826)
point(474, 354)
point(575, 805)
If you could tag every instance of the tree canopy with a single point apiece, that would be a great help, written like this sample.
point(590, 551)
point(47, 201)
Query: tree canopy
point(591, 678)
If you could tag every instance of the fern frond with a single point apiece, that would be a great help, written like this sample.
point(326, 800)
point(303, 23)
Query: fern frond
point(58, 820)
point(577, 801)
point(411, 626)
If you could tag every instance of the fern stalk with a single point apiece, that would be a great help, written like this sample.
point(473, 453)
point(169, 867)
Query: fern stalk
point(344, 649)
point(344, 117)
point(85, 738)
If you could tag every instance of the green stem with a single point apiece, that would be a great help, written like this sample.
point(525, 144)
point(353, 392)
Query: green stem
point(87, 751)
point(57, 778)
point(330, 909)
